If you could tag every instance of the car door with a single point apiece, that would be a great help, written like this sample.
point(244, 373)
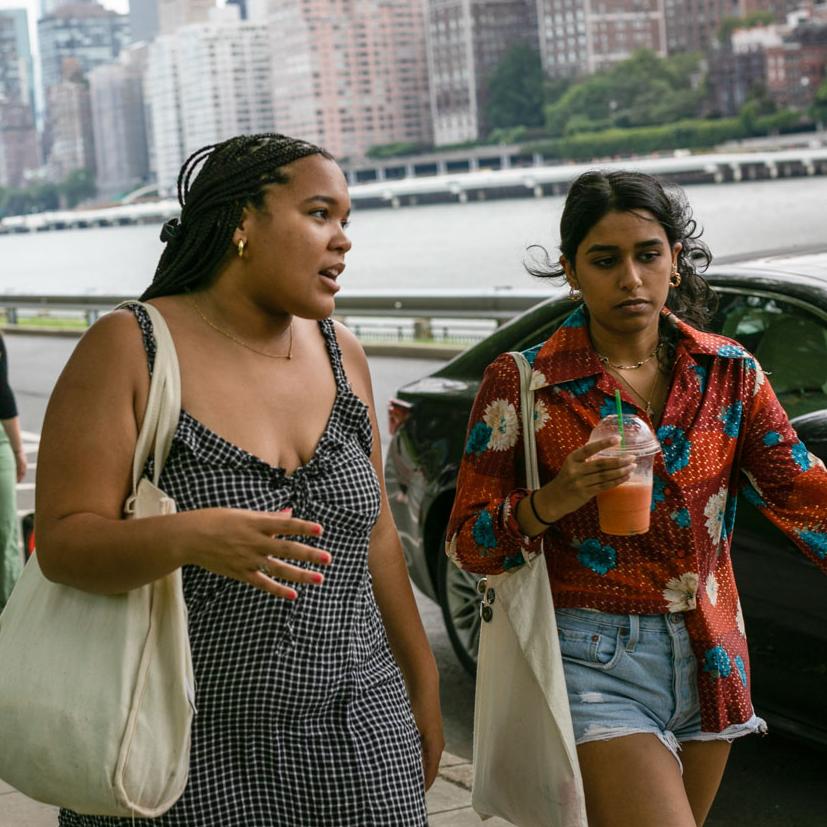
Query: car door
point(783, 594)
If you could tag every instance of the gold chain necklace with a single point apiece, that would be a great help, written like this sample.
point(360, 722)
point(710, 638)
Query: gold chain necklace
point(647, 400)
point(640, 364)
point(231, 337)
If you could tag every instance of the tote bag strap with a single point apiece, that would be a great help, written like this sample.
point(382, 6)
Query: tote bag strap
point(532, 471)
point(163, 406)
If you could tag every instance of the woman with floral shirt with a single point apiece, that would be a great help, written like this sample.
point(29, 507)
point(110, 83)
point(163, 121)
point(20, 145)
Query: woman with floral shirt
point(651, 628)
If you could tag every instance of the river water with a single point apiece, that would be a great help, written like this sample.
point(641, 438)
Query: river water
point(462, 246)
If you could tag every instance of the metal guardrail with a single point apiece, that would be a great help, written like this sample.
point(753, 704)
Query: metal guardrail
point(446, 315)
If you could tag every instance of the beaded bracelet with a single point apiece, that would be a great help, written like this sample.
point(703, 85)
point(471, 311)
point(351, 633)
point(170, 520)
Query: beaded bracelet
point(534, 509)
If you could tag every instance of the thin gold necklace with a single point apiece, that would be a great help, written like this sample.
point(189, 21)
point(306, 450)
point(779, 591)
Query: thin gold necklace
point(647, 400)
point(640, 364)
point(231, 337)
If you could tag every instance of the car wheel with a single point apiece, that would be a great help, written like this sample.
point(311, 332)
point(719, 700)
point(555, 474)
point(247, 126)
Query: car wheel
point(460, 604)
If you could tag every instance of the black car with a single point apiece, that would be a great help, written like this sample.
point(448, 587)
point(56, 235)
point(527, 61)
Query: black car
point(777, 308)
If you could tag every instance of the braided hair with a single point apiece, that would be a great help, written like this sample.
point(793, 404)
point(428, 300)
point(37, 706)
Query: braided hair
point(232, 175)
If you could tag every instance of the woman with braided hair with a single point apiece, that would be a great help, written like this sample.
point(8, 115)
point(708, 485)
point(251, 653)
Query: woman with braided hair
point(298, 599)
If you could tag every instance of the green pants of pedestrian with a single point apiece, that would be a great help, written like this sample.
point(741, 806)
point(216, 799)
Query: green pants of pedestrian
point(11, 560)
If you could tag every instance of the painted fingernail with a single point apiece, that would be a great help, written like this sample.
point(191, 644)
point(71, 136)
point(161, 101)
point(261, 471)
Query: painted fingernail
point(324, 557)
point(317, 578)
point(285, 511)
point(316, 529)
point(291, 595)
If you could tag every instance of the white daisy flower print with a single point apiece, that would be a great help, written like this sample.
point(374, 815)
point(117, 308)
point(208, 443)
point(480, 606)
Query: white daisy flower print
point(714, 513)
point(712, 588)
point(501, 417)
point(739, 620)
point(754, 483)
point(538, 380)
point(681, 592)
point(759, 378)
point(541, 415)
point(451, 551)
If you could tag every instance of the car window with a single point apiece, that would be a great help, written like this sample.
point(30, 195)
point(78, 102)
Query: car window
point(788, 341)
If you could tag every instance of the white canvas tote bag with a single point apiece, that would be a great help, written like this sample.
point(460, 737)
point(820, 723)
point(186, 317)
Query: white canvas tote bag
point(96, 691)
point(525, 760)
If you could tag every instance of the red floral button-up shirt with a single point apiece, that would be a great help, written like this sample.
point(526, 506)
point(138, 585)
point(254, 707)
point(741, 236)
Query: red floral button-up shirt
point(723, 432)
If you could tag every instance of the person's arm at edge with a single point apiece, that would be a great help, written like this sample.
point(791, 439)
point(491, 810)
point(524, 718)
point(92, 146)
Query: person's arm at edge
point(392, 587)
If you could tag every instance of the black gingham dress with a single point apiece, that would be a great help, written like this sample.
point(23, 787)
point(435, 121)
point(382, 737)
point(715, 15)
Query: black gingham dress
point(303, 718)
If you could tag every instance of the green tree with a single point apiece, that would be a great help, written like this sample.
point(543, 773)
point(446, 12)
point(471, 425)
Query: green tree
point(643, 90)
point(516, 90)
point(79, 185)
point(819, 106)
point(751, 21)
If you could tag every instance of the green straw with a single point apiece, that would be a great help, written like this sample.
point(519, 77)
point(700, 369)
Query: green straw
point(619, 405)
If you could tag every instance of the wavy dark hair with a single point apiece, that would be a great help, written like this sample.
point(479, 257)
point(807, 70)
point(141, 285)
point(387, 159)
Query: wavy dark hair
point(233, 174)
point(596, 193)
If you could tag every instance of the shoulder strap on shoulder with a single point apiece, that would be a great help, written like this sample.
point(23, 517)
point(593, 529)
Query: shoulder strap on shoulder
point(163, 406)
point(527, 417)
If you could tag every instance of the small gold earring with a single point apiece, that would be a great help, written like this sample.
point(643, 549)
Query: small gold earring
point(241, 246)
point(675, 281)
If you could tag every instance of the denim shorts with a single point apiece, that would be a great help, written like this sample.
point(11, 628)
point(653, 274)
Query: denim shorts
point(628, 674)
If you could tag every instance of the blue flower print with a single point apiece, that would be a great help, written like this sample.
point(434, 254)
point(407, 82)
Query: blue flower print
point(700, 373)
point(752, 496)
point(478, 439)
point(731, 417)
point(676, 447)
point(729, 516)
point(742, 670)
point(483, 531)
point(513, 562)
point(817, 541)
point(600, 559)
point(731, 352)
point(578, 387)
point(681, 518)
point(658, 491)
point(531, 354)
point(801, 456)
point(716, 662)
point(771, 438)
point(609, 407)
point(576, 319)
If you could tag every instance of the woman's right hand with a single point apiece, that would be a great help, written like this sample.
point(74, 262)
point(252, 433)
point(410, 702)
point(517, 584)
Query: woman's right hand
point(249, 546)
point(581, 477)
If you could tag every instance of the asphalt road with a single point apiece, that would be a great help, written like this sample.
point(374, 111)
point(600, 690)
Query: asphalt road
point(770, 782)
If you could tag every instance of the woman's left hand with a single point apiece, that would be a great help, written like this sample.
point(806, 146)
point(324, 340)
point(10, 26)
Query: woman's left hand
point(428, 717)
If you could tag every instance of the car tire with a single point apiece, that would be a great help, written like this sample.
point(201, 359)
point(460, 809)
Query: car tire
point(460, 604)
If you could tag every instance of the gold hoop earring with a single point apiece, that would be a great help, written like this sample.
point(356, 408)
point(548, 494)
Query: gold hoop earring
point(241, 247)
point(574, 294)
point(676, 279)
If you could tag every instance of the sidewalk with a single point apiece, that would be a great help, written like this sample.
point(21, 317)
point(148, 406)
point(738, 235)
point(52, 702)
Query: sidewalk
point(449, 802)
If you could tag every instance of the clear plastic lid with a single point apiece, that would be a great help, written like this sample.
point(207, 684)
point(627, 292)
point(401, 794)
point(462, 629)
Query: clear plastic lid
point(638, 438)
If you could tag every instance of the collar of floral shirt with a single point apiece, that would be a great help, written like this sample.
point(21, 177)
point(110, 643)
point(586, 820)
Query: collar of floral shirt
point(568, 354)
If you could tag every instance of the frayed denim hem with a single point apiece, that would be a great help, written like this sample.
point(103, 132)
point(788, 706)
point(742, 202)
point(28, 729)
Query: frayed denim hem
point(750, 727)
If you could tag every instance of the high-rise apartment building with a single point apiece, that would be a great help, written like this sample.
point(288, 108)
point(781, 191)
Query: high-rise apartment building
point(693, 25)
point(242, 7)
point(18, 143)
point(86, 33)
point(143, 20)
point(70, 118)
point(580, 37)
point(205, 83)
point(350, 75)
point(46, 7)
point(16, 70)
point(466, 39)
point(172, 14)
point(118, 123)
point(18, 138)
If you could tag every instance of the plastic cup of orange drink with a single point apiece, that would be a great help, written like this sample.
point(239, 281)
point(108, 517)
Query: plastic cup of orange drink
point(626, 508)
